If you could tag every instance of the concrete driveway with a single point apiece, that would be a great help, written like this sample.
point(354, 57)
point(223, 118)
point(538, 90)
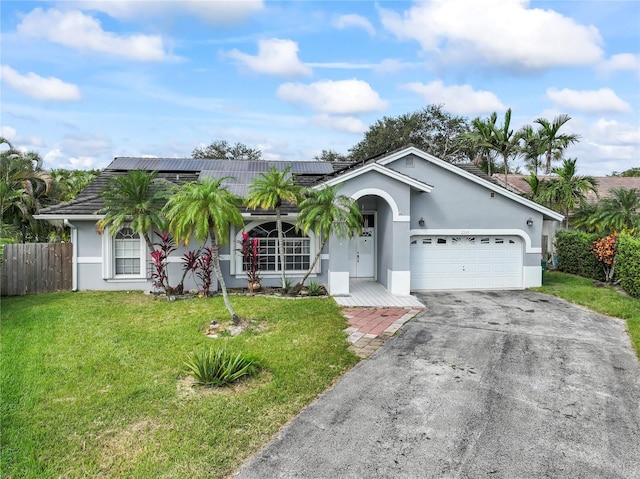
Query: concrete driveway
point(509, 384)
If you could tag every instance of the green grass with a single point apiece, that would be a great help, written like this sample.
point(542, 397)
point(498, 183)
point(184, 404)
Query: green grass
point(602, 299)
point(93, 383)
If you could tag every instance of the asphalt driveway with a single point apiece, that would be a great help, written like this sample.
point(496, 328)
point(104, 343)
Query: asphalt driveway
point(480, 384)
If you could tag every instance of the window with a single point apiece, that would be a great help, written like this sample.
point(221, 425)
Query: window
point(297, 248)
point(127, 252)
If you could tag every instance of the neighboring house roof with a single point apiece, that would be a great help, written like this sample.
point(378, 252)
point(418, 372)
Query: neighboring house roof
point(517, 184)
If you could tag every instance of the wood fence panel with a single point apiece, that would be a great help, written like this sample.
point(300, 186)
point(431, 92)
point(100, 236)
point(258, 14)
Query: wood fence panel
point(36, 268)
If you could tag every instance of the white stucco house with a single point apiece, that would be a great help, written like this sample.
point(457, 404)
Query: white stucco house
point(428, 225)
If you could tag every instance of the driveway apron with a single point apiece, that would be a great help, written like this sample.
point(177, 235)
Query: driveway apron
point(510, 384)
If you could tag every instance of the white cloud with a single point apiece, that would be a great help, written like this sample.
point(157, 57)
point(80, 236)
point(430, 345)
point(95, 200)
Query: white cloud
point(459, 99)
point(611, 131)
point(39, 87)
point(339, 123)
point(621, 62)
point(275, 56)
point(354, 21)
point(342, 97)
point(76, 30)
point(212, 12)
point(496, 32)
point(603, 100)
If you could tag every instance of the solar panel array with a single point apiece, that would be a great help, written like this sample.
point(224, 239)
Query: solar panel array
point(220, 167)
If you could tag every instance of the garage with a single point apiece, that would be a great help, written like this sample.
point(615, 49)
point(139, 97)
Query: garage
point(466, 262)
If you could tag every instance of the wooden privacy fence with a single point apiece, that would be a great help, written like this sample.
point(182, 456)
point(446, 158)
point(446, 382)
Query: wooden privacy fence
point(36, 268)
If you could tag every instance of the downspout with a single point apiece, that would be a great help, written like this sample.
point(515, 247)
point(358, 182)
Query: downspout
point(74, 254)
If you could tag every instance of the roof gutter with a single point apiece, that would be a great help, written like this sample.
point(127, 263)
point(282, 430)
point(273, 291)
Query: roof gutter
point(74, 254)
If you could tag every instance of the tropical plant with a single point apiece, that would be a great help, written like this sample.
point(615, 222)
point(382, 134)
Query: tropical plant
point(204, 210)
point(251, 257)
point(506, 143)
point(567, 190)
point(67, 184)
point(160, 257)
point(480, 142)
point(552, 141)
point(315, 289)
point(619, 212)
point(268, 191)
point(327, 213)
point(135, 199)
point(23, 184)
point(531, 148)
point(203, 269)
point(604, 249)
point(219, 366)
point(223, 150)
point(189, 260)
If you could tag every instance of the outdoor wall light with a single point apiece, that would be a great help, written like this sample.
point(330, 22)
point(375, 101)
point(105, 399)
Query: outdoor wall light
point(421, 222)
point(529, 221)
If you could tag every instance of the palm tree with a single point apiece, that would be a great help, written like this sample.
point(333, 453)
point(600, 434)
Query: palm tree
point(327, 213)
point(268, 191)
point(135, 199)
point(205, 210)
point(479, 140)
point(620, 211)
point(506, 143)
point(554, 143)
point(22, 184)
point(568, 190)
point(532, 148)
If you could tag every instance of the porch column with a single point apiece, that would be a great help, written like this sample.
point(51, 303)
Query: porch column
point(399, 272)
point(338, 274)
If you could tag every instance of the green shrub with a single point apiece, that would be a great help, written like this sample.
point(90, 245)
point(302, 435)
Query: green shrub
point(315, 289)
point(288, 283)
point(219, 366)
point(628, 264)
point(575, 256)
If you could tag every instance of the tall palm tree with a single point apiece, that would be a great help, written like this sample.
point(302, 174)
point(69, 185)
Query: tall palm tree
point(568, 190)
point(553, 142)
point(479, 140)
point(506, 143)
point(327, 213)
point(136, 199)
point(620, 211)
point(268, 191)
point(531, 148)
point(204, 210)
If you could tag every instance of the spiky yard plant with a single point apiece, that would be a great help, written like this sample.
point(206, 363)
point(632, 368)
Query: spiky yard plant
point(218, 366)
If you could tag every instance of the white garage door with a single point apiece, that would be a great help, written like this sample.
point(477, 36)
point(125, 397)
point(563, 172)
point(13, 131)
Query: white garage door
point(466, 262)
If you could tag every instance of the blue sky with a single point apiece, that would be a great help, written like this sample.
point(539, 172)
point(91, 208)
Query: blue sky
point(85, 81)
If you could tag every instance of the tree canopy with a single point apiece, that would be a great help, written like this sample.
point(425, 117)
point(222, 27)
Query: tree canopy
point(223, 150)
point(432, 129)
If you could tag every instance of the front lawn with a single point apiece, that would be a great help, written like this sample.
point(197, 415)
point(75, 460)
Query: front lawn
point(602, 299)
point(93, 383)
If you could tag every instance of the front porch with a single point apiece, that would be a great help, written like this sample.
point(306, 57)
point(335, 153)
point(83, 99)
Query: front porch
point(371, 294)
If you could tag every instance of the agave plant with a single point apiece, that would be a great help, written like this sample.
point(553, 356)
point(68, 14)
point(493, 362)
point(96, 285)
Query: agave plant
point(219, 366)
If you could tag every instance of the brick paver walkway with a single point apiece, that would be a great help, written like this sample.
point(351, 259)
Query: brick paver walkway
point(369, 327)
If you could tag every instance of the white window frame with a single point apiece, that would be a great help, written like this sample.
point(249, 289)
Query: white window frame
point(109, 258)
point(237, 255)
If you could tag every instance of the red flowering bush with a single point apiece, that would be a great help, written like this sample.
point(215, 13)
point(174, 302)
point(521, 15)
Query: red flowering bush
point(604, 250)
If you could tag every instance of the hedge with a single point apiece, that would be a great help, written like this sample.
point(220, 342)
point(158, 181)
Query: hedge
point(575, 255)
point(628, 264)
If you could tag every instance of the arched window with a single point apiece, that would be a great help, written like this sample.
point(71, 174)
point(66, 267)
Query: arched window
point(127, 252)
point(297, 247)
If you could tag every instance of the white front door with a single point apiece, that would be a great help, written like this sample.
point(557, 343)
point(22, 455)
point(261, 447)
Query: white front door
point(362, 254)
